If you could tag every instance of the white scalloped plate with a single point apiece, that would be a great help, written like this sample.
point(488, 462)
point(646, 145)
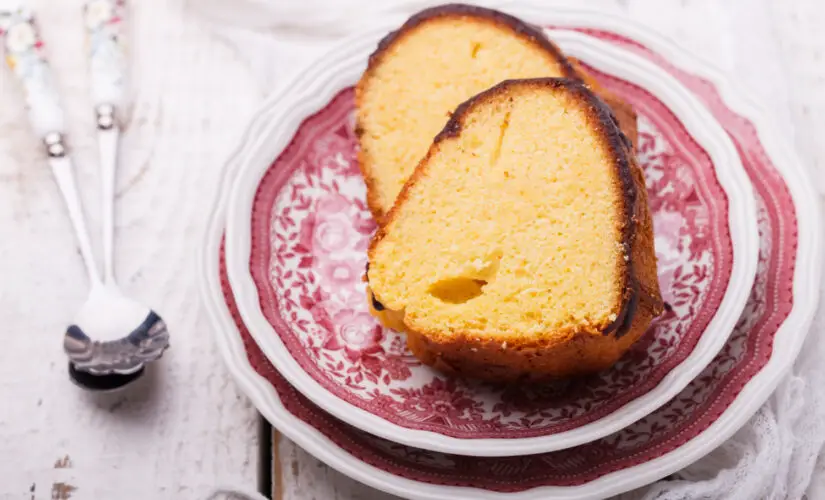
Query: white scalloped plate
point(739, 380)
point(403, 411)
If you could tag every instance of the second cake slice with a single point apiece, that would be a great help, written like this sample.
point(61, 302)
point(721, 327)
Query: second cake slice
point(438, 59)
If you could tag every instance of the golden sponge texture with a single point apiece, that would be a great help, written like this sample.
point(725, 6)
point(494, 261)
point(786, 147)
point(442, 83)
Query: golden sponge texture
point(435, 61)
point(521, 247)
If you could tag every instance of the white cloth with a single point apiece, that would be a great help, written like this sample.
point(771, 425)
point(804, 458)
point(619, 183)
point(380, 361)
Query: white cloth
point(773, 48)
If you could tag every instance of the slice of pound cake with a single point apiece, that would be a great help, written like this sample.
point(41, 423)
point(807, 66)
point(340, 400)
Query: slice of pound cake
point(522, 245)
point(421, 72)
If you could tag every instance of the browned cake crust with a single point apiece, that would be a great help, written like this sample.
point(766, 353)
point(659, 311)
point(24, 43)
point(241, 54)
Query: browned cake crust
point(623, 111)
point(571, 68)
point(547, 357)
point(457, 10)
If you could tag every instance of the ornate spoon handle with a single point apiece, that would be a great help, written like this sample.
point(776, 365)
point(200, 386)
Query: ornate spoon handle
point(107, 62)
point(106, 47)
point(27, 60)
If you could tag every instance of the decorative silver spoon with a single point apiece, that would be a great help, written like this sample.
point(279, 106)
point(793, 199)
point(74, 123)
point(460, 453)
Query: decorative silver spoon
point(112, 336)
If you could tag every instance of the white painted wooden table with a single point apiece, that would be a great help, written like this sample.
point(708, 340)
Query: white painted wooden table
point(185, 427)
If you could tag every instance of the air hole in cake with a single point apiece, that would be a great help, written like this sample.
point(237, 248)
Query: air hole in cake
point(505, 124)
point(476, 48)
point(457, 290)
point(472, 277)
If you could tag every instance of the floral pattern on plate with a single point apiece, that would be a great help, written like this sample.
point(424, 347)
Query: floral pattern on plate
point(311, 228)
point(683, 418)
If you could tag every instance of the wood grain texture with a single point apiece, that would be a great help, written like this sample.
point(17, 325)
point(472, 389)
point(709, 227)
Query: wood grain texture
point(298, 475)
point(185, 427)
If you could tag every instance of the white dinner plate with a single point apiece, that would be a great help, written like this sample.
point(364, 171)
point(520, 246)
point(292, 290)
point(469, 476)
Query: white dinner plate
point(298, 228)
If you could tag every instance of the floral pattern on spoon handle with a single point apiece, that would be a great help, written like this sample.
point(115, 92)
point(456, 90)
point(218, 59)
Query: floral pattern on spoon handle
point(26, 57)
point(106, 46)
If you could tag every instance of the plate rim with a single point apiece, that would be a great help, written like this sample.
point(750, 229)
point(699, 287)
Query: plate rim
point(740, 410)
point(340, 67)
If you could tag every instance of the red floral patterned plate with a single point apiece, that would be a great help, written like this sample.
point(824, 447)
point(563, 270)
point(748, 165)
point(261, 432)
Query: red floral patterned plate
point(706, 412)
point(299, 229)
point(305, 249)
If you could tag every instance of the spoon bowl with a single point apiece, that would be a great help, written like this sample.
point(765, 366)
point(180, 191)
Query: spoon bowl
point(113, 334)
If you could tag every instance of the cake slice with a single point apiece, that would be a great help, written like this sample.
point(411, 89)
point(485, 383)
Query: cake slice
point(421, 72)
point(522, 245)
